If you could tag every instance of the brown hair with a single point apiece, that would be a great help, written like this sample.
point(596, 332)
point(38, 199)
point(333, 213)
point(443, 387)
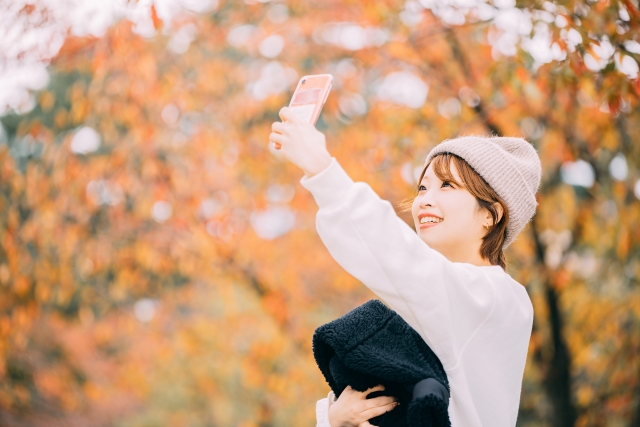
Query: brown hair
point(491, 248)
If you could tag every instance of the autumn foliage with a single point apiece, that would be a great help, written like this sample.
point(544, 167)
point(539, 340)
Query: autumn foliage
point(159, 263)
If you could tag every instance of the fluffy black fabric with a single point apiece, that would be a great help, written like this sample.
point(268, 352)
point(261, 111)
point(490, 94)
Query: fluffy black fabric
point(373, 345)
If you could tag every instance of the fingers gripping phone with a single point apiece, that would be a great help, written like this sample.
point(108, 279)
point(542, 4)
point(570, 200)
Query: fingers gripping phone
point(310, 95)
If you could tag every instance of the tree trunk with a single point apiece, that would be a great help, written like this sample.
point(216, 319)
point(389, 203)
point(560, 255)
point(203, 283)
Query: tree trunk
point(557, 373)
point(557, 370)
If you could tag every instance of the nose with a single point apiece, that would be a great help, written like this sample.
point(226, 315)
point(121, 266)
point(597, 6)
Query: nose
point(425, 199)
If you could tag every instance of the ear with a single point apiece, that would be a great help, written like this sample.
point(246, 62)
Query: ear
point(499, 210)
point(489, 218)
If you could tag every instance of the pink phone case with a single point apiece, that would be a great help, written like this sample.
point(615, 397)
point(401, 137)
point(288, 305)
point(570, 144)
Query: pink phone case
point(310, 95)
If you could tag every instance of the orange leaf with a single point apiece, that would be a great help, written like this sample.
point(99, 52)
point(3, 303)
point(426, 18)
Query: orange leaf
point(157, 22)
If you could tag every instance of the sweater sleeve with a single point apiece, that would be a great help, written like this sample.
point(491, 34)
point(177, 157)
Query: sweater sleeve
point(445, 302)
point(322, 410)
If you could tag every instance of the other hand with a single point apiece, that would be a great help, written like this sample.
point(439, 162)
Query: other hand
point(300, 142)
point(353, 409)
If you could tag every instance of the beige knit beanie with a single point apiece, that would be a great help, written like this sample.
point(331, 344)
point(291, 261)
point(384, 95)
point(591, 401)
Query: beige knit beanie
point(511, 167)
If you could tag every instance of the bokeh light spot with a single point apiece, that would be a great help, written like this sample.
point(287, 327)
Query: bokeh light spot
point(86, 140)
point(162, 211)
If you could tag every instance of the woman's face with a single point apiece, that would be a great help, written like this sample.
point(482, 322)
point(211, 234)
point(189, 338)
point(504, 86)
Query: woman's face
point(458, 227)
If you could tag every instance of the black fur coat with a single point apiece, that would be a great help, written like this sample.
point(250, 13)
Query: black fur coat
point(373, 345)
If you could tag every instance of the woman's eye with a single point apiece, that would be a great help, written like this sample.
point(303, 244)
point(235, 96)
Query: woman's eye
point(421, 188)
point(448, 183)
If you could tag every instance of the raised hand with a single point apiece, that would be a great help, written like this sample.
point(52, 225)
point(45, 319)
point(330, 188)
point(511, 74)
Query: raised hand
point(300, 142)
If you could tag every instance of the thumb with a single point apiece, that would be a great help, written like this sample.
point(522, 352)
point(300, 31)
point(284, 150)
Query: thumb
point(287, 115)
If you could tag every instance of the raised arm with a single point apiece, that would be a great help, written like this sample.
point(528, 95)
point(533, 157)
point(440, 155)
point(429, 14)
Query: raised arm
point(445, 302)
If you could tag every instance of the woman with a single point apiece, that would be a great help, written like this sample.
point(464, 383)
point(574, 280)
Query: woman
point(447, 280)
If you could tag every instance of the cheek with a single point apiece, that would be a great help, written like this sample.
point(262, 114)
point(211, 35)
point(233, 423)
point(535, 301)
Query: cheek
point(460, 210)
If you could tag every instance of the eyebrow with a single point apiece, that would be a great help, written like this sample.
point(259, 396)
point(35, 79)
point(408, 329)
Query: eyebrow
point(426, 177)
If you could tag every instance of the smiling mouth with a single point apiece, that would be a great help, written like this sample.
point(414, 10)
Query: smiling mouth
point(427, 224)
point(430, 220)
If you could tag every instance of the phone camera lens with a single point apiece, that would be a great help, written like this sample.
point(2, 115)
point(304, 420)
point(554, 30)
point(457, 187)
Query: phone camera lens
point(304, 81)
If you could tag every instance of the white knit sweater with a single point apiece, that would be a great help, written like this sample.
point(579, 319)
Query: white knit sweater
point(476, 319)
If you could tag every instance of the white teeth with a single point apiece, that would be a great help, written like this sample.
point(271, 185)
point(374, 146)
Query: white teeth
point(429, 219)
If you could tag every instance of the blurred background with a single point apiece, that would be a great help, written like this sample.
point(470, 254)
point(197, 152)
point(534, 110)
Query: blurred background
point(159, 264)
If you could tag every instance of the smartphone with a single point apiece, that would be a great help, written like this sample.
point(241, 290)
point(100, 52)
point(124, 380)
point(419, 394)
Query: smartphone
point(310, 95)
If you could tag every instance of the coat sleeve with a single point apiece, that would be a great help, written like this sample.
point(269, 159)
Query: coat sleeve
point(445, 302)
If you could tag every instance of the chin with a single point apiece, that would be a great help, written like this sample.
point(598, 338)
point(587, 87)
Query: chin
point(428, 240)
